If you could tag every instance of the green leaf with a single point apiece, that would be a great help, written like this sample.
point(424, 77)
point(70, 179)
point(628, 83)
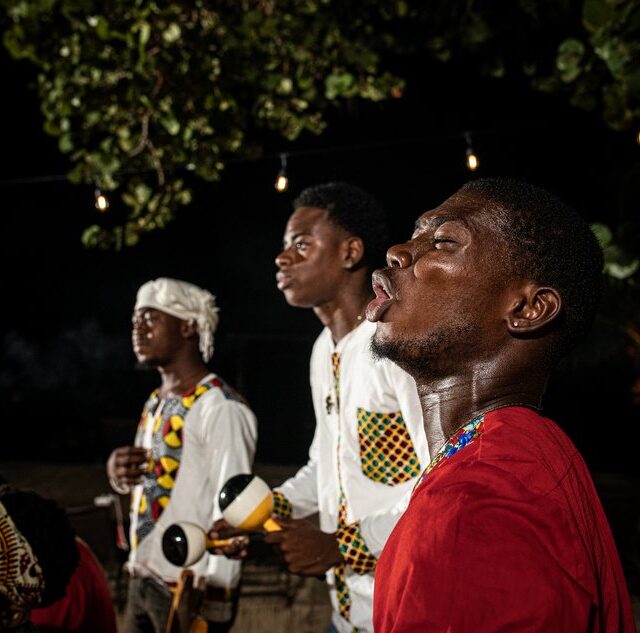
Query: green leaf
point(102, 28)
point(172, 33)
point(171, 124)
point(144, 34)
point(65, 143)
point(603, 233)
point(597, 13)
point(339, 84)
point(619, 270)
point(569, 59)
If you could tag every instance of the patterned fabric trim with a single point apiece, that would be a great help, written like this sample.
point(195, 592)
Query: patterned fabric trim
point(387, 453)
point(354, 549)
point(344, 599)
point(461, 438)
point(339, 571)
point(166, 453)
point(282, 507)
point(335, 366)
point(21, 576)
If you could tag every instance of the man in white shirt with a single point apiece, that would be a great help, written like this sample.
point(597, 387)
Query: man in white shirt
point(195, 433)
point(369, 444)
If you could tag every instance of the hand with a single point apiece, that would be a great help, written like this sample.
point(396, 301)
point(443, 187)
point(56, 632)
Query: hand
point(306, 550)
point(238, 548)
point(126, 465)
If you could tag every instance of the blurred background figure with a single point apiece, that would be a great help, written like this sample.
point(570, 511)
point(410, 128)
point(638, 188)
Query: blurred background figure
point(195, 433)
point(38, 555)
point(87, 606)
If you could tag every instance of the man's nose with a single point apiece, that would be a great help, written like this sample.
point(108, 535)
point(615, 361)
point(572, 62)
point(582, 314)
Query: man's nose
point(400, 256)
point(138, 326)
point(283, 259)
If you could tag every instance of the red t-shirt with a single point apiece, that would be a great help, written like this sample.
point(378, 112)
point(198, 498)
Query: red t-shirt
point(507, 534)
point(87, 606)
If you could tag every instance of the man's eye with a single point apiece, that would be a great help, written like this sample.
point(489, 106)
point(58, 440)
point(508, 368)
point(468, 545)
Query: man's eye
point(441, 240)
point(301, 246)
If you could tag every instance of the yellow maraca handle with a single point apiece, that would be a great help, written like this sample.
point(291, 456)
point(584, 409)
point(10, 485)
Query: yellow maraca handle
point(271, 526)
point(218, 542)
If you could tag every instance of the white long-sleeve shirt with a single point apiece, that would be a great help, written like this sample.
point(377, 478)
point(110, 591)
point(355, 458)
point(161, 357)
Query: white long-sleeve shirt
point(378, 411)
point(218, 440)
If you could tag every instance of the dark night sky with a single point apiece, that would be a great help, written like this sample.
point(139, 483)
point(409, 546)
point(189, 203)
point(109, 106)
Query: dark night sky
point(66, 362)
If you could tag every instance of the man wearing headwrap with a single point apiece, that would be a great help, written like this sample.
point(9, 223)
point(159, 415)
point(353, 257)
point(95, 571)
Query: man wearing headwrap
point(37, 556)
point(195, 433)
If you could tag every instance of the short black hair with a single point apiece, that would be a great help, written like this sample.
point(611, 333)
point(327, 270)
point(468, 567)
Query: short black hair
point(548, 242)
point(356, 211)
point(47, 529)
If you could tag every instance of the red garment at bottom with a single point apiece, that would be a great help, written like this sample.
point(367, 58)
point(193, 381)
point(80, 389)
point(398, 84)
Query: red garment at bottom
point(87, 606)
point(508, 534)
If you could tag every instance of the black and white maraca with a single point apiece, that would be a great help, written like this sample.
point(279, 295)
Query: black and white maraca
point(246, 502)
point(184, 543)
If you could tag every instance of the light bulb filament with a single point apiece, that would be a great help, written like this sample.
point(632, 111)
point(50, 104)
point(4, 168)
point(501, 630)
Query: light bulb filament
point(102, 203)
point(472, 160)
point(282, 182)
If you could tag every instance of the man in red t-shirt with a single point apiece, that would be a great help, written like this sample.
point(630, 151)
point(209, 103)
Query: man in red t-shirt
point(87, 606)
point(505, 531)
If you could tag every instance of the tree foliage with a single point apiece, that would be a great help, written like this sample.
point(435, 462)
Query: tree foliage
point(130, 88)
point(140, 94)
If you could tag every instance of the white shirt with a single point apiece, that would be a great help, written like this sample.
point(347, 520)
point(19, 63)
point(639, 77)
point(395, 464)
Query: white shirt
point(370, 386)
point(219, 441)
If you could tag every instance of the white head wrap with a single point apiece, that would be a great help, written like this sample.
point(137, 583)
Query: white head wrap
point(184, 301)
point(21, 577)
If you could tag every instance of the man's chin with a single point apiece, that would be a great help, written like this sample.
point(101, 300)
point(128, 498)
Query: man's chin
point(427, 357)
point(144, 364)
point(403, 353)
point(382, 348)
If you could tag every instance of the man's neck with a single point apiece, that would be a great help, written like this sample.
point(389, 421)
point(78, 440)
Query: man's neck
point(448, 404)
point(345, 311)
point(180, 377)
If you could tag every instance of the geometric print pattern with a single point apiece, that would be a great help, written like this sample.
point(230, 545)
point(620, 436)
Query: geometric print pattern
point(461, 438)
point(166, 452)
point(21, 577)
point(354, 550)
point(351, 543)
point(282, 507)
point(335, 367)
point(387, 454)
point(339, 571)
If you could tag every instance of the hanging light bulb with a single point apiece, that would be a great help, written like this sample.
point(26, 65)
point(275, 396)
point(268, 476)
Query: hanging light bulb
point(472, 159)
point(282, 182)
point(102, 203)
point(638, 138)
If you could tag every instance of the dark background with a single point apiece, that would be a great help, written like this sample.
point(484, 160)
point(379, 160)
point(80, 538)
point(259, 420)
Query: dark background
point(67, 379)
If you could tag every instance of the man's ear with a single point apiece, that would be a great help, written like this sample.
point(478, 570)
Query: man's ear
point(536, 308)
point(188, 328)
point(353, 251)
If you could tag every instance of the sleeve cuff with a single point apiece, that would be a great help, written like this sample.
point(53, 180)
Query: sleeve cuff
point(122, 489)
point(282, 507)
point(354, 550)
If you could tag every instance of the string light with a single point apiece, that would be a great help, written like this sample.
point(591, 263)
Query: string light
point(282, 182)
point(472, 159)
point(102, 203)
point(638, 138)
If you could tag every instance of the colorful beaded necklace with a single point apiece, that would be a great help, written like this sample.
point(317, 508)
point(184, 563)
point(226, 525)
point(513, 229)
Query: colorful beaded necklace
point(461, 438)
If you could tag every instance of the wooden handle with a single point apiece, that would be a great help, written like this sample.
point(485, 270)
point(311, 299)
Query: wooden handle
point(218, 542)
